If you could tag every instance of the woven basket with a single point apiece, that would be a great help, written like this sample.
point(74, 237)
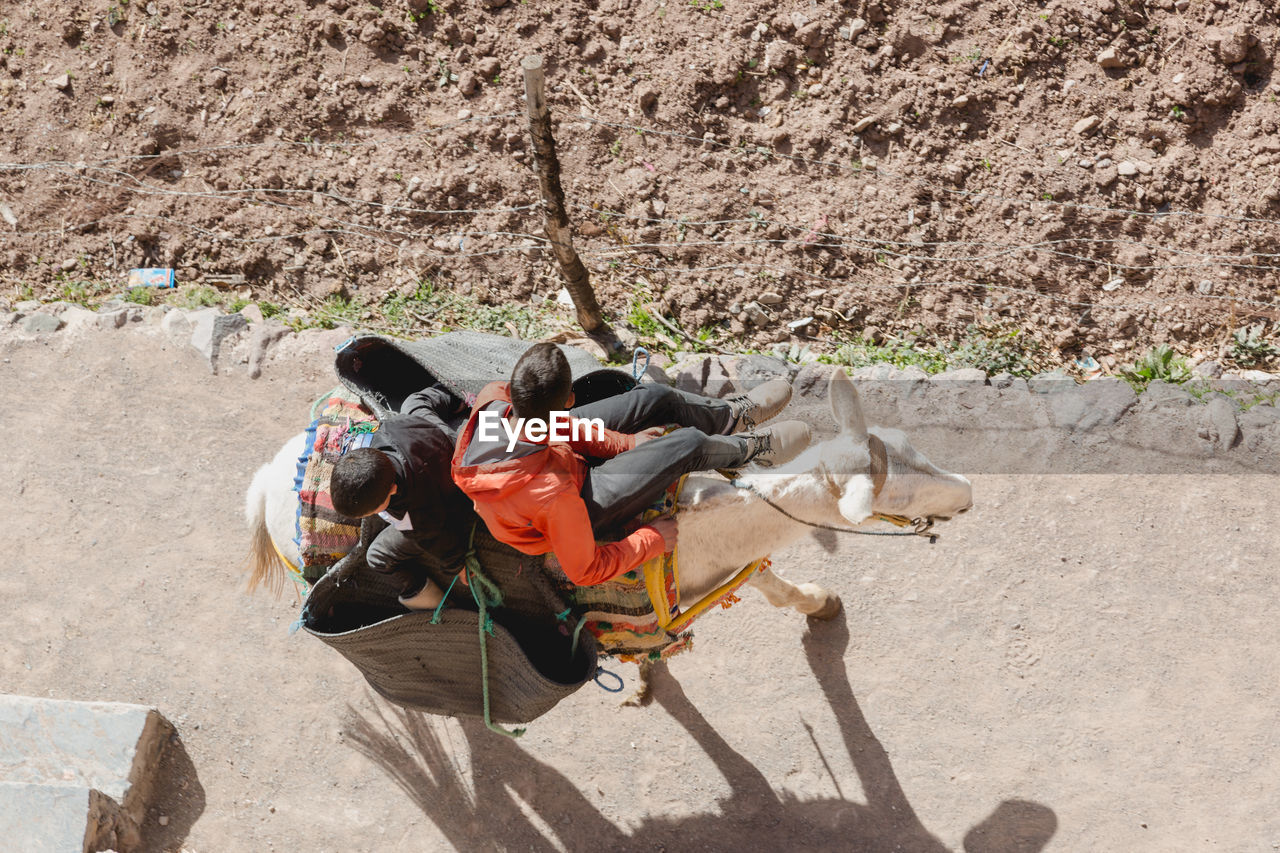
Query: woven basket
point(385, 371)
point(436, 667)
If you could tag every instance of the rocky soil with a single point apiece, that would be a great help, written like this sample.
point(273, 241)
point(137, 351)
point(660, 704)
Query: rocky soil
point(1103, 176)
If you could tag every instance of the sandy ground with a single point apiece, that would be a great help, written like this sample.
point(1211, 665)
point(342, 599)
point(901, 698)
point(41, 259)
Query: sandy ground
point(1081, 663)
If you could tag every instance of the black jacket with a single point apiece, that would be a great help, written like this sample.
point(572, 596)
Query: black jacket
point(419, 441)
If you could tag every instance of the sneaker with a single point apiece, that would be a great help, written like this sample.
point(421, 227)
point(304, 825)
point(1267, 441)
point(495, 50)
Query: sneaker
point(759, 404)
point(777, 444)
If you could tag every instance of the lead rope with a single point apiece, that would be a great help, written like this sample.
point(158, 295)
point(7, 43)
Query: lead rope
point(920, 526)
point(486, 595)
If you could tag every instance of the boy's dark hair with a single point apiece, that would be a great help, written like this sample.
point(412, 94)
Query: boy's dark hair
point(541, 382)
point(361, 481)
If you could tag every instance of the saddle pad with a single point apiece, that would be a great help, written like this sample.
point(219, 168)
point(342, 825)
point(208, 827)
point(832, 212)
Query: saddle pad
point(637, 615)
point(341, 423)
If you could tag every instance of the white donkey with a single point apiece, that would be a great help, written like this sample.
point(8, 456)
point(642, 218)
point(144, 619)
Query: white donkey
point(843, 482)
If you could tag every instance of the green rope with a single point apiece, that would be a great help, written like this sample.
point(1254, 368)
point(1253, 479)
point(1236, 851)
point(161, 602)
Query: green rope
point(435, 617)
point(486, 594)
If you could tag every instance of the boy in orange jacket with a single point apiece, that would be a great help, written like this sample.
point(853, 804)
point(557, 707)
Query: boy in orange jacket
point(520, 457)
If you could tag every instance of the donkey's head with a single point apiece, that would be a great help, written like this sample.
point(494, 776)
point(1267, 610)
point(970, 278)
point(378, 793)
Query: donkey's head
point(878, 471)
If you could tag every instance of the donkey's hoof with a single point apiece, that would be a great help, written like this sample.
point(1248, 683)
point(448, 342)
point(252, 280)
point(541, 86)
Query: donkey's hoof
point(829, 609)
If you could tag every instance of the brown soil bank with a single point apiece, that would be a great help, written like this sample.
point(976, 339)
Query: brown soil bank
point(1103, 175)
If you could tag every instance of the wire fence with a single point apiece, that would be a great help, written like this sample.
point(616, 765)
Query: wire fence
point(856, 255)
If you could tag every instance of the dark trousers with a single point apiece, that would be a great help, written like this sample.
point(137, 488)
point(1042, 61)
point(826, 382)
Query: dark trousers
point(619, 489)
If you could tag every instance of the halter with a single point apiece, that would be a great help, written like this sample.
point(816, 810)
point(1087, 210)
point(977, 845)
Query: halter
point(879, 474)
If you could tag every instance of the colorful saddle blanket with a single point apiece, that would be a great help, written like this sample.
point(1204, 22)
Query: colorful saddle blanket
point(340, 422)
point(638, 616)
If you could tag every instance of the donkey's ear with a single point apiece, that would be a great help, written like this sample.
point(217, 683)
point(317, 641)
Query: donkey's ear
point(855, 501)
point(846, 408)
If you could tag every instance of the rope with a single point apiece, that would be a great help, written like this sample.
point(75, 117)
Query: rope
point(921, 526)
point(435, 617)
point(486, 594)
point(636, 370)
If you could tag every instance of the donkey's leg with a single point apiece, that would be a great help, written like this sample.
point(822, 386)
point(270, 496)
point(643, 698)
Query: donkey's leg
point(808, 598)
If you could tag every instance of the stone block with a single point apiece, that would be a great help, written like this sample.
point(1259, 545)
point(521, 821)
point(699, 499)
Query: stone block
point(109, 752)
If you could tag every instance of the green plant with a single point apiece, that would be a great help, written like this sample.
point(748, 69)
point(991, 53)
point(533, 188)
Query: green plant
point(195, 296)
point(1250, 348)
point(81, 292)
point(986, 164)
point(994, 351)
point(907, 352)
point(237, 305)
point(639, 318)
point(616, 149)
point(707, 5)
point(141, 295)
point(270, 309)
point(1177, 111)
point(1159, 363)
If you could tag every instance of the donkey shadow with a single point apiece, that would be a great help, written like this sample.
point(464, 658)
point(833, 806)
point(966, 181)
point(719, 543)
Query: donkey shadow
point(486, 811)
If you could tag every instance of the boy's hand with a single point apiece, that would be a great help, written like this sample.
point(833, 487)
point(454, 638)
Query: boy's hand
point(668, 528)
point(649, 435)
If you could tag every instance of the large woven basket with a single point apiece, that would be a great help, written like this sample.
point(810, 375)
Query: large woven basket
point(384, 371)
point(436, 666)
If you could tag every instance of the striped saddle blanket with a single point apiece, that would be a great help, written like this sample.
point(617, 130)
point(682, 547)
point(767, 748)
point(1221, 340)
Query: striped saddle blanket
point(340, 422)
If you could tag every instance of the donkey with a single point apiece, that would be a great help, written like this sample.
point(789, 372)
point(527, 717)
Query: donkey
point(844, 482)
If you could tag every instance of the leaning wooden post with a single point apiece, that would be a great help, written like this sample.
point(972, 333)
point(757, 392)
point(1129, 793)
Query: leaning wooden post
point(577, 280)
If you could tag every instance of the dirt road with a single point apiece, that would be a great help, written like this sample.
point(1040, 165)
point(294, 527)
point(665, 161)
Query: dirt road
point(1083, 661)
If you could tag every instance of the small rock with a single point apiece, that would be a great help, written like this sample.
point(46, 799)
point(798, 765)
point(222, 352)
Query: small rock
point(62, 82)
point(1205, 287)
point(647, 97)
point(209, 328)
point(216, 79)
point(1127, 169)
point(163, 820)
point(68, 265)
point(468, 84)
point(264, 336)
point(1111, 58)
point(37, 323)
point(1209, 369)
point(1233, 44)
point(1225, 425)
point(961, 101)
point(755, 314)
point(769, 298)
point(1087, 125)
point(863, 123)
point(488, 67)
point(856, 27)
point(797, 325)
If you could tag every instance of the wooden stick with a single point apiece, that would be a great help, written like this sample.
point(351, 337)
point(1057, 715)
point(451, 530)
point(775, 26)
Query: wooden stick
point(577, 281)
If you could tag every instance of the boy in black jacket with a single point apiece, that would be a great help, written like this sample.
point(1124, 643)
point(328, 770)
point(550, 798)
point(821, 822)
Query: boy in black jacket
point(404, 477)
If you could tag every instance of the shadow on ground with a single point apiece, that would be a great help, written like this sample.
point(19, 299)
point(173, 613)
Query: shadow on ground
point(410, 748)
point(179, 797)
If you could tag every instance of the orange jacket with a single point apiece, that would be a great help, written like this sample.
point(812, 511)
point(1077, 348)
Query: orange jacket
point(534, 502)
